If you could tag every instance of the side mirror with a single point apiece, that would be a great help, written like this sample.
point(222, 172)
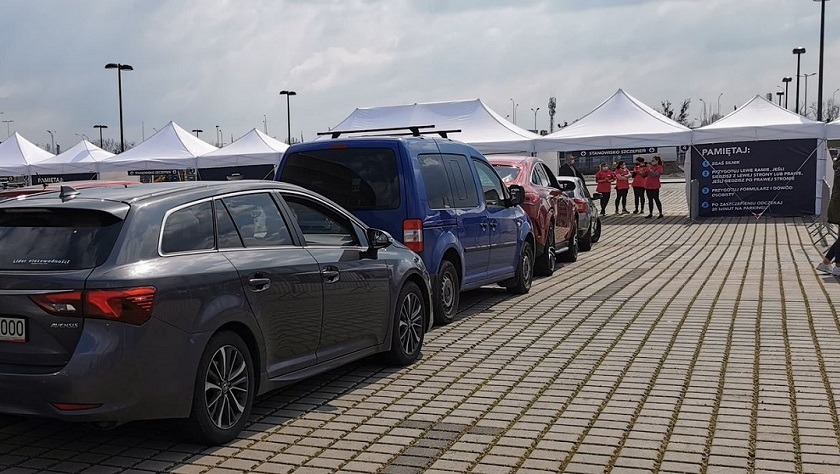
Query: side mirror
point(517, 195)
point(378, 239)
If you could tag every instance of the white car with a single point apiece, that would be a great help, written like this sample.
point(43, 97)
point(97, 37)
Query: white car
point(589, 223)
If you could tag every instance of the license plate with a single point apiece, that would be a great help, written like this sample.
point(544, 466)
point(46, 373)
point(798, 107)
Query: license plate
point(13, 329)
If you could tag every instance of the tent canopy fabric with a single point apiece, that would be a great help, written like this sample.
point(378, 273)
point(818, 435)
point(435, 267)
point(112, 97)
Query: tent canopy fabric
point(17, 154)
point(82, 158)
point(832, 129)
point(480, 126)
point(622, 121)
point(759, 119)
point(171, 147)
point(253, 148)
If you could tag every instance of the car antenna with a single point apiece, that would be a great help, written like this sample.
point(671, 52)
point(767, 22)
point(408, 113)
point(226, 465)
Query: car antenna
point(67, 193)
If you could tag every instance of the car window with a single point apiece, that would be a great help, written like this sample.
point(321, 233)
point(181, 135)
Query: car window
point(491, 185)
point(52, 239)
point(258, 220)
point(506, 172)
point(552, 181)
point(320, 224)
point(355, 178)
point(189, 229)
point(226, 233)
point(436, 179)
point(461, 181)
point(541, 178)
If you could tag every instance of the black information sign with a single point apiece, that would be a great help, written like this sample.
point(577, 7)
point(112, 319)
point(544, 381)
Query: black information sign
point(158, 176)
point(769, 178)
point(615, 152)
point(60, 178)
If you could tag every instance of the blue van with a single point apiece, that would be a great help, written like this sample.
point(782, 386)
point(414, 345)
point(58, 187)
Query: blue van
point(439, 197)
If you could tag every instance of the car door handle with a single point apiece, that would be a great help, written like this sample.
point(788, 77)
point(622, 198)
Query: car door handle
point(330, 274)
point(259, 284)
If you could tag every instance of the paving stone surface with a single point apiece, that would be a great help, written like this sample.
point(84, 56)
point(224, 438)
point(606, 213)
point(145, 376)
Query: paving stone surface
point(670, 346)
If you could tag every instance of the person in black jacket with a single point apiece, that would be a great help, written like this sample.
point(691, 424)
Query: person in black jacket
point(568, 168)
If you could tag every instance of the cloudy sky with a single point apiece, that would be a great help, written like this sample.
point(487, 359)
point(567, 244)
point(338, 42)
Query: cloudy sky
point(223, 62)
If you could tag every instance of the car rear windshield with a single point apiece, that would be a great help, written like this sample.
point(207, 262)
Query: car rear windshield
point(357, 179)
point(52, 239)
point(507, 173)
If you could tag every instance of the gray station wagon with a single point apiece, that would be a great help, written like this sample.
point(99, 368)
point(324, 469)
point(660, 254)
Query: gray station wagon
point(186, 300)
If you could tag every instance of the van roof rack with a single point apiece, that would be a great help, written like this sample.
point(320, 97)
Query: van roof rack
point(413, 130)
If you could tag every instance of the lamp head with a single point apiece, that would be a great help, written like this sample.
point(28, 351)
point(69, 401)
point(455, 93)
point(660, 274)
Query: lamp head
point(798, 50)
point(787, 79)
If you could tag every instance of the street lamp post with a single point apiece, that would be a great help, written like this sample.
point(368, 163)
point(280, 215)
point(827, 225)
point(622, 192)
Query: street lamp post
point(786, 80)
point(704, 112)
point(513, 110)
point(52, 140)
point(288, 114)
point(83, 136)
point(717, 111)
point(120, 68)
point(805, 107)
point(7, 122)
point(780, 94)
point(832, 96)
point(822, 41)
point(217, 135)
point(197, 131)
point(101, 142)
point(798, 52)
point(535, 117)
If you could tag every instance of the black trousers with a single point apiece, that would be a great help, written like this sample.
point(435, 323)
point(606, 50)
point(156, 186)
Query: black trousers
point(639, 198)
point(831, 255)
point(605, 199)
point(621, 197)
point(653, 197)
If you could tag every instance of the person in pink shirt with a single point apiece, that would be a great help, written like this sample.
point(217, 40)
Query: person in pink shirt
point(638, 174)
point(652, 185)
point(603, 179)
point(622, 187)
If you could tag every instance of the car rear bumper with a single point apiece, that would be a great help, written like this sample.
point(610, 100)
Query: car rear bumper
point(128, 372)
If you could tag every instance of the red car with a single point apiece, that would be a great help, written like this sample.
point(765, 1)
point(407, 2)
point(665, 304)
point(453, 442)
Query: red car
point(552, 213)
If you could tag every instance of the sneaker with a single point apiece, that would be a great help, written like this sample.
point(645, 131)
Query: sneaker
point(635, 211)
point(625, 211)
point(822, 267)
point(602, 213)
point(648, 216)
point(660, 216)
point(836, 271)
point(616, 212)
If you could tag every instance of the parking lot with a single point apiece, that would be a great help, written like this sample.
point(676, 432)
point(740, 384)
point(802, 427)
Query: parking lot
point(670, 346)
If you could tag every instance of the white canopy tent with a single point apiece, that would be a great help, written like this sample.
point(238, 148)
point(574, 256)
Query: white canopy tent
point(622, 121)
point(82, 158)
point(480, 126)
point(17, 154)
point(253, 148)
point(760, 120)
point(171, 147)
point(832, 130)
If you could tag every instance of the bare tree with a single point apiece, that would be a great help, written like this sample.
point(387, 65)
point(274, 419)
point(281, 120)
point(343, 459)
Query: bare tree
point(113, 145)
point(668, 111)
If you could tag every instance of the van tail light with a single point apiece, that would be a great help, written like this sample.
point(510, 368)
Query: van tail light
point(581, 205)
point(531, 198)
point(127, 305)
point(75, 406)
point(413, 234)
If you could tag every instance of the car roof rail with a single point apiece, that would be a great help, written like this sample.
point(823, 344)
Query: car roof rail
point(413, 130)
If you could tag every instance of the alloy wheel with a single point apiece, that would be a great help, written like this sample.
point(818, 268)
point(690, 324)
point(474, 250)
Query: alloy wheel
point(226, 387)
point(411, 323)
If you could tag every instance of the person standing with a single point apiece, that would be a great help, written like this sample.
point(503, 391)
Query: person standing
point(639, 173)
point(603, 185)
point(833, 217)
point(568, 168)
point(652, 185)
point(622, 187)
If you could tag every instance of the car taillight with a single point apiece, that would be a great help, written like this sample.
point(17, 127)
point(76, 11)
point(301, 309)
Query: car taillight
point(531, 198)
point(60, 304)
point(128, 305)
point(581, 205)
point(76, 406)
point(413, 234)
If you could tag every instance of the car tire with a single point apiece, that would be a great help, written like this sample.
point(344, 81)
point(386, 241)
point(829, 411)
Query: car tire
point(409, 326)
point(547, 262)
point(571, 254)
point(447, 293)
point(524, 271)
point(585, 242)
point(224, 390)
point(596, 235)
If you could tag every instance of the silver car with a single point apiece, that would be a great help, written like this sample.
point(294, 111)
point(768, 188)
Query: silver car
point(186, 300)
point(589, 223)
